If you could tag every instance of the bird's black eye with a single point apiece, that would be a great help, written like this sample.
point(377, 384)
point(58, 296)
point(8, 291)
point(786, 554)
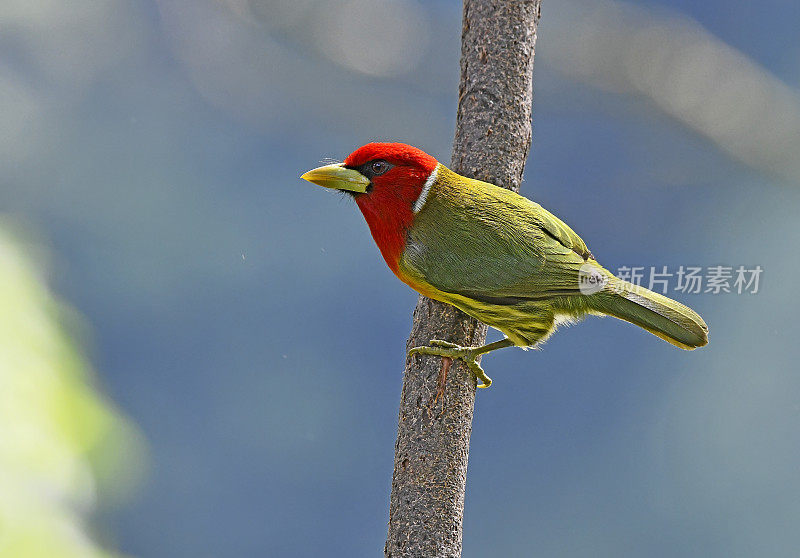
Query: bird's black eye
point(378, 167)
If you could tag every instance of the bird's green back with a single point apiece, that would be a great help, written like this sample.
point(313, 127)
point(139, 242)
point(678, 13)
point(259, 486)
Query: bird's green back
point(484, 242)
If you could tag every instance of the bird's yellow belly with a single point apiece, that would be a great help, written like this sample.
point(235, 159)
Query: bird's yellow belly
point(525, 324)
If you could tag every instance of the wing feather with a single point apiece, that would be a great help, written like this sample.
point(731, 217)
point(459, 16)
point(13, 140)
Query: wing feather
point(492, 245)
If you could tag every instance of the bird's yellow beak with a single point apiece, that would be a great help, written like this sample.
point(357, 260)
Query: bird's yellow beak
point(338, 177)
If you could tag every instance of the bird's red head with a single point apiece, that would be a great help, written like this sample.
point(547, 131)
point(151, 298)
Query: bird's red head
point(406, 164)
point(390, 183)
point(397, 174)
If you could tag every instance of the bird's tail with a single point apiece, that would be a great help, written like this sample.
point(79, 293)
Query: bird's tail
point(661, 316)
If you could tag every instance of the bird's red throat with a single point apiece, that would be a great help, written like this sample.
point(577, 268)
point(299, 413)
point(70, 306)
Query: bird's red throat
point(388, 206)
point(389, 210)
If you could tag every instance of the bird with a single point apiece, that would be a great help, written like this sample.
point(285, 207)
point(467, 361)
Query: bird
point(492, 253)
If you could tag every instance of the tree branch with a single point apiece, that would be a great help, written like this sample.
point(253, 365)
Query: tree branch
point(492, 140)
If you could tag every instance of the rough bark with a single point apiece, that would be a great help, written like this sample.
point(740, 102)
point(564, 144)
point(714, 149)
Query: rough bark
point(492, 140)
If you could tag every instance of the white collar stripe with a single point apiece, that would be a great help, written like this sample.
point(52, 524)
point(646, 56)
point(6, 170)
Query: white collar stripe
point(423, 195)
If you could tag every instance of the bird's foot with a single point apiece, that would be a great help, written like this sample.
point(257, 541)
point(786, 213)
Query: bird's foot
point(469, 355)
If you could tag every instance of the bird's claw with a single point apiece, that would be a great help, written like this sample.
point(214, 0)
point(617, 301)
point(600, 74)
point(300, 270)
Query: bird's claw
point(451, 350)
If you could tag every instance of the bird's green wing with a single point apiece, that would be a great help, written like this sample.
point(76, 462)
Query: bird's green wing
point(477, 240)
point(561, 232)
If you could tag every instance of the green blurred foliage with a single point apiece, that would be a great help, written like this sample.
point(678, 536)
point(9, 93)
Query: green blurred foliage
point(62, 444)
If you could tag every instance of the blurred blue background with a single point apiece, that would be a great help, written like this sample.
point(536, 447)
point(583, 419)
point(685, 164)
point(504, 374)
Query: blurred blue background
point(244, 321)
